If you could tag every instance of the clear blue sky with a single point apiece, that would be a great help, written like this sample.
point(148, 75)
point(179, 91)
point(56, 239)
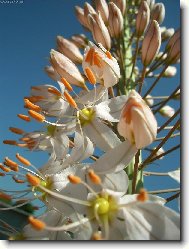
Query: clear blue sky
point(27, 33)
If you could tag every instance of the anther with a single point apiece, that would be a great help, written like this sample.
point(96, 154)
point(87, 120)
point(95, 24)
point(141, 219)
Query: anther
point(93, 177)
point(96, 236)
point(16, 130)
point(36, 223)
point(5, 169)
point(54, 91)
point(74, 179)
point(24, 117)
point(66, 84)
point(34, 99)
point(70, 100)
point(23, 160)
point(35, 88)
point(142, 196)
point(32, 106)
point(8, 162)
point(2, 174)
point(17, 180)
point(108, 54)
point(38, 117)
point(10, 142)
point(90, 75)
point(5, 196)
point(33, 180)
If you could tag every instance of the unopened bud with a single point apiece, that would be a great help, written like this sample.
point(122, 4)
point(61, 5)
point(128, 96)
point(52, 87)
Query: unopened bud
point(52, 73)
point(88, 10)
point(121, 4)
point(151, 3)
point(115, 20)
point(99, 30)
point(158, 12)
point(66, 68)
point(170, 72)
point(142, 19)
point(81, 17)
point(174, 53)
point(172, 40)
point(167, 111)
point(69, 49)
point(102, 7)
point(79, 40)
point(149, 100)
point(166, 33)
point(151, 43)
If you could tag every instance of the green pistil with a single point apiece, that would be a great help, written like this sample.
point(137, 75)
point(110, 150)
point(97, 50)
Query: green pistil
point(86, 116)
point(51, 129)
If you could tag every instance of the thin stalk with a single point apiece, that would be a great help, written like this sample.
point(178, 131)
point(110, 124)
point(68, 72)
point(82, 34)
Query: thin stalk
point(142, 80)
point(175, 196)
point(174, 135)
point(148, 173)
point(168, 121)
point(162, 191)
point(137, 157)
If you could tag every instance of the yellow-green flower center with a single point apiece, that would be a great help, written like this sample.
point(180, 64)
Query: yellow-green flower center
point(51, 129)
point(86, 115)
point(101, 205)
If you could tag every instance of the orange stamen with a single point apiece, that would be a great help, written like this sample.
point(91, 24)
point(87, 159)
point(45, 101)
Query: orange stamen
point(89, 56)
point(36, 88)
point(5, 169)
point(22, 145)
point(96, 236)
point(16, 130)
point(70, 100)
point(36, 223)
point(97, 60)
point(108, 54)
point(90, 75)
point(74, 179)
point(10, 142)
point(93, 177)
point(24, 139)
point(66, 84)
point(34, 99)
point(2, 174)
point(142, 196)
point(23, 160)
point(5, 196)
point(31, 106)
point(10, 163)
point(33, 180)
point(18, 180)
point(38, 117)
point(24, 117)
point(54, 91)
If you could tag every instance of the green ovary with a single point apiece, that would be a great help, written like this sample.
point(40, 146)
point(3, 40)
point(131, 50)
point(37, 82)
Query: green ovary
point(51, 129)
point(86, 116)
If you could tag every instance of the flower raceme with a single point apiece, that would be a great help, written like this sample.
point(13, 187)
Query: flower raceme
point(137, 122)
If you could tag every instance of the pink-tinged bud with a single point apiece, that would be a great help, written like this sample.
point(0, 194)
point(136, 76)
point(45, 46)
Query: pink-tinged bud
point(151, 43)
point(66, 68)
point(52, 73)
point(99, 31)
point(172, 40)
point(158, 12)
point(173, 55)
point(166, 33)
point(81, 16)
point(170, 72)
point(80, 40)
point(142, 19)
point(151, 3)
point(121, 4)
point(69, 49)
point(137, 122)
point(115, 20)
point(177, 95)
point(167, 111)
point(159, 152)
point(88, 10)
point(102, 7)
point(149, 100)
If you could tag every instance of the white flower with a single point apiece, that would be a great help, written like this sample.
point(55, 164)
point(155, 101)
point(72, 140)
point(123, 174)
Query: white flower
point(103, 65)
point(137, 122)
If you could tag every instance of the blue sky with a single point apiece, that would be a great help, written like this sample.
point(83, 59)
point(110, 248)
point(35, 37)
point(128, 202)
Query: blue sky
point(27, 33)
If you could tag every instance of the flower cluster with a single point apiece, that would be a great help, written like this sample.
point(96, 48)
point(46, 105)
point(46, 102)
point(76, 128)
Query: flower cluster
point(96, 125)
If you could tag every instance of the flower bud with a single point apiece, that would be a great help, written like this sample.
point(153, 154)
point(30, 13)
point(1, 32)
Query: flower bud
point(172, 40)
point(137, 122)
point(158, 12)
point(52, 73)
point(102, 7)
point(99, 31)
point(142, 19)
point(149, 100)
point(80, 40)
point(69, 49)
point(151, 3)
point(88, 10)
point(66, 68)
point(115, 20)
point(166, 33)
point(81, 17)
point(174, 53)
point(121, 4)
point(167, 111)
point(151, 43)
point(170, 72)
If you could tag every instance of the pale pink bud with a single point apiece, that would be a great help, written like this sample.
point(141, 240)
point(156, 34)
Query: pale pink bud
point(170, 72)
point(66, 68)
point(52, 73)
point(158, 12)
point(88, 10)
point(166, 33)
point(150, 3)
point(137, 122)
point(121, 4)
point(151, 43)
point(69, 49)
point(172, 40)
point(142, 19)
point(174, 53)
point(167, 111)
point(115, 20)
point(80, 40)
point(102, 7)
point(149, 100)
point(99, 31)
point(81, 17)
